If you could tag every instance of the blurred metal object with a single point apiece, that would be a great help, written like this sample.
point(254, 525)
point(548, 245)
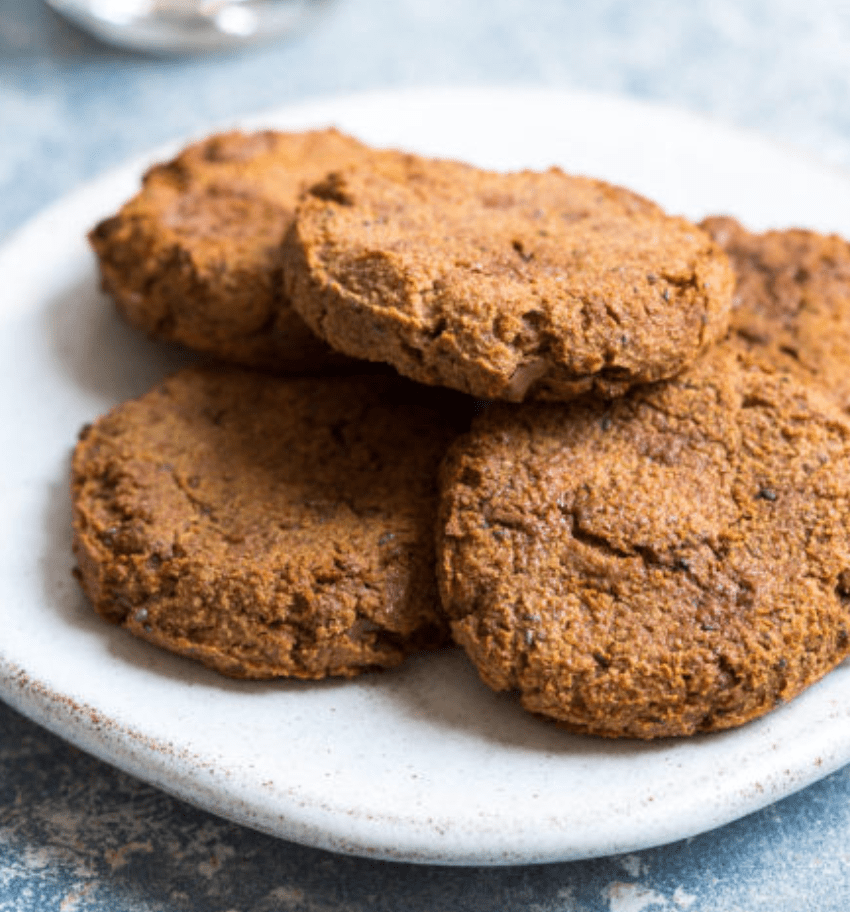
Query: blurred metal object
point(187, 26)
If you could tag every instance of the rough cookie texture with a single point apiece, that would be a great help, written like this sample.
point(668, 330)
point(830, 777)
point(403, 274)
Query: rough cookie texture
point(195, 256)
point(792, 299)
point(267, 526)
point(510, 286)
point(675, 562)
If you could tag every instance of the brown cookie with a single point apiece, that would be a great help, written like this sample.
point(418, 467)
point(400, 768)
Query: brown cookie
point(195, 256)
point(267, 526)
point(675, 562)
point(792, 298)
point(510, 286)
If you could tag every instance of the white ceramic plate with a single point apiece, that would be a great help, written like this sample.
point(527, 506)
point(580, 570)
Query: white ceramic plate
point(422, 764)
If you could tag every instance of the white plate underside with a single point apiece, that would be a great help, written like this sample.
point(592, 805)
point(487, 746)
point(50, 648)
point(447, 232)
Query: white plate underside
point(422, 764)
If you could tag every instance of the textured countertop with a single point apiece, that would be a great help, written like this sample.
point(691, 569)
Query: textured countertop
point(76, 834)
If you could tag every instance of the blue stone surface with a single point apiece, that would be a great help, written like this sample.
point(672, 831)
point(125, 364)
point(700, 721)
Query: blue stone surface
point(77, 835)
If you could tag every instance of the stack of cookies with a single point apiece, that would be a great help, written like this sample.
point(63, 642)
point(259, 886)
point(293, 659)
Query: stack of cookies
point(615, 468)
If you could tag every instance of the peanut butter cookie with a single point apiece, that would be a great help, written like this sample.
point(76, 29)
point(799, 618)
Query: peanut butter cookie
point(267, 526)
point(511, 286)
point(792, 299)
point(676, 561)
point(195, 256)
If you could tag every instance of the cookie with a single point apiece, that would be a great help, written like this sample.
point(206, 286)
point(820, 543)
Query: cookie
point(792, 299)
point(509, 286)
point(195, 256)
point(267, 526)
point(676, 561)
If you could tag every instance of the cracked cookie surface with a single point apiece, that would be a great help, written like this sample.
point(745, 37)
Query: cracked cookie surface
point(194, 257)
point(792, 299)
point(510, 286)
point(677, 561)
point(267, 526)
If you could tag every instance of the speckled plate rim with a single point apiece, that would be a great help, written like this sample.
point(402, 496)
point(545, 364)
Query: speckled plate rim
point(423, 764)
